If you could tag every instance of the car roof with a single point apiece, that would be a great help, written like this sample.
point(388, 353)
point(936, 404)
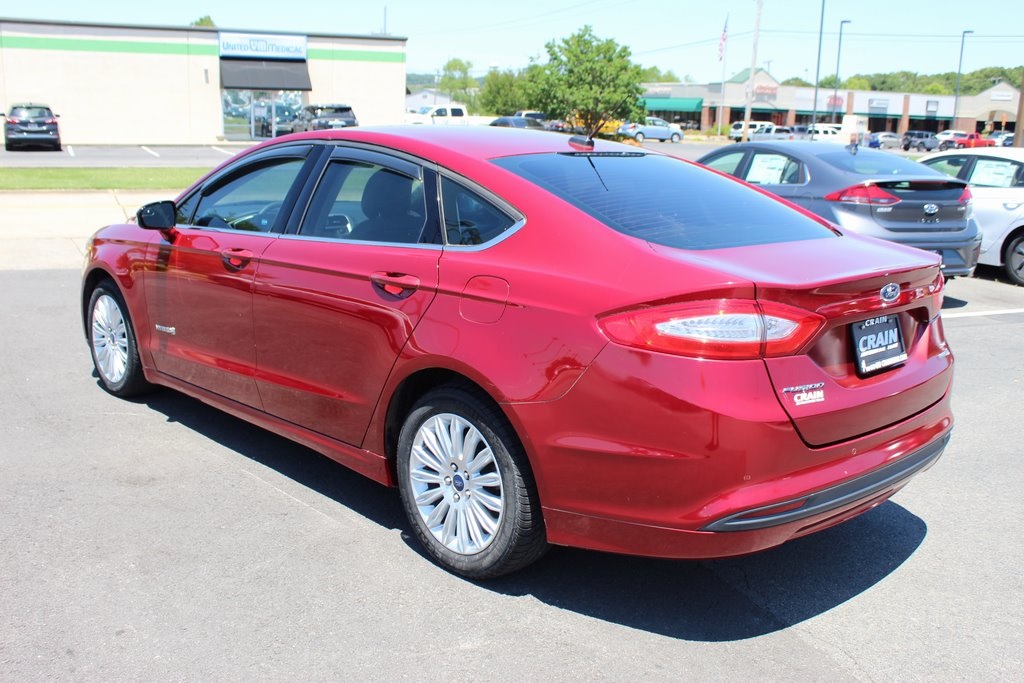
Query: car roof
point(469, 142)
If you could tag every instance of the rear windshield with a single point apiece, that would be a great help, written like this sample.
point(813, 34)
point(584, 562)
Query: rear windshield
point(871, 163)
point(30, 113)
point(664, 200)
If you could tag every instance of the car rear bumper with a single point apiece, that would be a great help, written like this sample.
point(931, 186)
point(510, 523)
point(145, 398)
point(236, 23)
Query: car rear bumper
point(33, 137)
point(700, 462)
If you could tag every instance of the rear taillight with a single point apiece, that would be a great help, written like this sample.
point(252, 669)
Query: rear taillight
point(966, 198)
point(864, 194)
point(719, 329)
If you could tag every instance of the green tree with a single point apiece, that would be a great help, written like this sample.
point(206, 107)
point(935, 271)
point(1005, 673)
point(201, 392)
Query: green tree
point(589, 80)
point(503, 92)
point(856, 83)
point(456, 81)
point(652, 74)
point(203, 21)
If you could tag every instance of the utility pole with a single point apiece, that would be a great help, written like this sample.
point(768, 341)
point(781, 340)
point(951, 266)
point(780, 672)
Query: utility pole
point(753, 68)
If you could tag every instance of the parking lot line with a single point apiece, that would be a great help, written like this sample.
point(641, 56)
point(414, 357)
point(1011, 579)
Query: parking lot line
point(148, 150)
point(978, 314)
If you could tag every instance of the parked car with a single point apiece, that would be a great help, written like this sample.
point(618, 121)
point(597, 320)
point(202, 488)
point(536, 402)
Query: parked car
point(736, 130)
point(921, 140)
point(652, 127)
point(439, 316)
point(325, 117)
point(865, 191)
point(996, 177)
point(948, 134)
point(884, 140)
point(285, 120)
point(31, 124)
point(517, 122)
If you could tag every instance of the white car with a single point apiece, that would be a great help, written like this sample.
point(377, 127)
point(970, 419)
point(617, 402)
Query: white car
point(996, 177)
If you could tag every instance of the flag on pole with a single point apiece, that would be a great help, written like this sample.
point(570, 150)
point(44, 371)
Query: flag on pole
point(721, 41)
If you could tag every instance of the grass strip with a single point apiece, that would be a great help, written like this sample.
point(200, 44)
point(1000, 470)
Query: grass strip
point(99, 178)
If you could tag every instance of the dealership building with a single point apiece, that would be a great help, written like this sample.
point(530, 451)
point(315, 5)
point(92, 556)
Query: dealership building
point(993, 109)
point(128, 84)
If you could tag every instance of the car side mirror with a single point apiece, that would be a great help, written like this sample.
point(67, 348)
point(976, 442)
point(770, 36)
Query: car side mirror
point(157, 216)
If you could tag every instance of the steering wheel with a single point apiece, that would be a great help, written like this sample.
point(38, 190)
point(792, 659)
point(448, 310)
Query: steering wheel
point(265, 217)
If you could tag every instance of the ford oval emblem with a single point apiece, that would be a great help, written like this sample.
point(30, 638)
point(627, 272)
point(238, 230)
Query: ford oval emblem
point(890, 293)
point(930, 209)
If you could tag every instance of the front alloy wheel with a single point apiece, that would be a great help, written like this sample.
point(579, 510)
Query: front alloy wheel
point(466, 485)
point(112, 342)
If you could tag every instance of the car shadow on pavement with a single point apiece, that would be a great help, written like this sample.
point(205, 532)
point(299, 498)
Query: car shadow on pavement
point(731, 599)
point(305, 466)
point(710, 600)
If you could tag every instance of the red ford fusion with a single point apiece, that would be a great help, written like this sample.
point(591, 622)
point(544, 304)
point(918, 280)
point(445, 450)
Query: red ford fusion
point(538, 340)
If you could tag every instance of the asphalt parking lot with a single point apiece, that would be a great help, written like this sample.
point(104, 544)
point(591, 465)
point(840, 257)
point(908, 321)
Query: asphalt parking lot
point(162, 539)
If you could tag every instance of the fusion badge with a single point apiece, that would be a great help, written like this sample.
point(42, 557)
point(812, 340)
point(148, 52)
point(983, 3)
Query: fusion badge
point(807, 393)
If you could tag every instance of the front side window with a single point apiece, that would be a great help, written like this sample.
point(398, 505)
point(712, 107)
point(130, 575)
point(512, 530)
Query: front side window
point(359, 200)
point(251, 201)
point(988, 172)
point(726, 163)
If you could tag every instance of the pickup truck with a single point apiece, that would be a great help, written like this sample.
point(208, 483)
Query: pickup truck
point(446, 115)
point(975, 140)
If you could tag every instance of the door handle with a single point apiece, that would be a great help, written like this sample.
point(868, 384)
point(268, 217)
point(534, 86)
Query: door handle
point(395, 284)
point(236, 259)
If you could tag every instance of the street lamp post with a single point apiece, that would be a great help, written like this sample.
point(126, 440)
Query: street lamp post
point(839, 52)
point(959, 67)
point(817, 69)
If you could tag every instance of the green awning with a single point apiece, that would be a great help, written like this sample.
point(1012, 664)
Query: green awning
point(685, 104)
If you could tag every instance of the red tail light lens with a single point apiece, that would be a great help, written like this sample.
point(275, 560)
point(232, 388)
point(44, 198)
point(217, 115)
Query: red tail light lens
point(864, 194)
point(721, 329)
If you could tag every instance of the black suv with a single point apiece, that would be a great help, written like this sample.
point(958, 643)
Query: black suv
point(326, 117)
point(31, 124)
point(921, 140)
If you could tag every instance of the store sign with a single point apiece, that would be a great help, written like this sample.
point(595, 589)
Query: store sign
point(262, 46)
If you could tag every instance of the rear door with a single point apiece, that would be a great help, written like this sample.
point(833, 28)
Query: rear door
point(337, 296)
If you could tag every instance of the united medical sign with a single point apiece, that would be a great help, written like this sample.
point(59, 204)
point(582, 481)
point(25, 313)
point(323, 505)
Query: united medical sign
point(262, 46)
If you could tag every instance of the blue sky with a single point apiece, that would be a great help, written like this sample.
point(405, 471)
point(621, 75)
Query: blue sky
point(893, 35)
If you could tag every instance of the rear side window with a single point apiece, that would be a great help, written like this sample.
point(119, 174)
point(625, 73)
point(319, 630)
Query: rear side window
point(664, 200)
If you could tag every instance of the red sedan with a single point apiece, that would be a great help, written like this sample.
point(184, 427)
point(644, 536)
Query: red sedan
point(539, 340)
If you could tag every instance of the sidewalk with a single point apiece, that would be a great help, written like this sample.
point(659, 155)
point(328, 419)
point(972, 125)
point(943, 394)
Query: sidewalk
point(43, 230)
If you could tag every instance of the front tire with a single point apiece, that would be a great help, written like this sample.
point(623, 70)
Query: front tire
point(1014, 261)
point(466, 485)
point(115, 354)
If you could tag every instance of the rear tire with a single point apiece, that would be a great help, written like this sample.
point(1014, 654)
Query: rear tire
point(466, 485)
point(1014, 260)
point(115, 354)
